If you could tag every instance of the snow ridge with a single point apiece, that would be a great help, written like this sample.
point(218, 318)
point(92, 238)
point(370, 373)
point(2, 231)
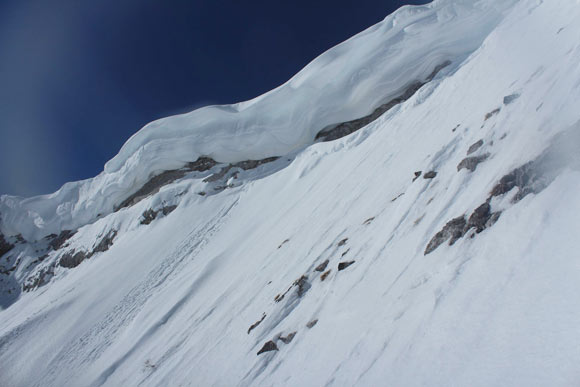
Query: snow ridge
point(346, 82)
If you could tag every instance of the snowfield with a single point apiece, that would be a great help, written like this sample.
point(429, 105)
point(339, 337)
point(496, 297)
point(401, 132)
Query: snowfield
point(320, 255)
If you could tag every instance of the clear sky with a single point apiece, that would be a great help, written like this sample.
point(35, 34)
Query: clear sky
point(79, 77)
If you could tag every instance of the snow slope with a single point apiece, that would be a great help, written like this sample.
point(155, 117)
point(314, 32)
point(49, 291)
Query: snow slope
point(344, 83)
point(171, 302)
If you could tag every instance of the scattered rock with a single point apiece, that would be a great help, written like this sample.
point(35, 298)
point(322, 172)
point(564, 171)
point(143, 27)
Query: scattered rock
point(471, 163)
point(453, 230)
point(104, 243)
point(202, 164)
point(202, 193)
point(474, 147)
point(479, 218)
point(510, 98)
point(368, 221)
point(392, 200)
point(39, 279)
point(72, 259)
point(245, 165)
point(254, 325)
point(344, 265)
point(322, 266)
point(430, 175)
point(345, 128)
point(148, 216)
point(324, 275)
point(288, 339)
point(491, 114)
point(4, 245)
point(269, 346)
point(342, 242)
point(527, 178)
point(302, 284)
point(417, 175)
point(312, 323)
point(279, 297)
point(58, 241)
point(168, 209)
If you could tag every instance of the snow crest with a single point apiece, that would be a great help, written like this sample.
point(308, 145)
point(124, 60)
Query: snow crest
point(346, 82)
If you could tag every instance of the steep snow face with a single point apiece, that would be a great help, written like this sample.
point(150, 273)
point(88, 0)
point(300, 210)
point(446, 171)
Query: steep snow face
point(344, 83)
point(318, 259)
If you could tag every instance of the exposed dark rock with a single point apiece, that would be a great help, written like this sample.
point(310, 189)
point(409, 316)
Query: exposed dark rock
point(245, 165)
point(479, 218)
point(368, 221)
point(322, 266)
point(395, 198)
point(324, 275)
point(105, 243)
point(344, 265)
point(4, 245)
point(527, 178)
point(417, 175)
point(284, 242)
point(279, 297)
point(430, 175)
point(254, 325)
point(510, 98)
point(491, 114)
point(36, 281)
point(471, 163)
point(168, 210)
point(302, 284)
point(148, 216)
point(58, 241)
point(452, 231)
point(312, 323)
point(72, 259)
point(492, 219)
point(269, 346)
point(342, 242)
point(20, 239)
point(474, 147)
point(346, 252)
point(202, 164)
point(288, 339)
point(345, 128)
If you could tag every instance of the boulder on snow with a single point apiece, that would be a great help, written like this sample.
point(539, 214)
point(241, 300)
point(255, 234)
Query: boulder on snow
point(452, 231)
point(471, 163)
point(269, 346)
point(343, 265)
point(322, 266)
point(430, 175)
point(288, 339)
point(474, 147)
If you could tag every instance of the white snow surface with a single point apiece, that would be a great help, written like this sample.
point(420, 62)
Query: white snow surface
point(346, 82)
point(170, 303)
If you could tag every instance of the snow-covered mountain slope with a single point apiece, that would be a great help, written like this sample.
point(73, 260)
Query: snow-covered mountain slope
point(333, 261)
point(347, 82)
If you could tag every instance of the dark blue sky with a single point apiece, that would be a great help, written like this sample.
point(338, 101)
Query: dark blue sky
point(79, 77)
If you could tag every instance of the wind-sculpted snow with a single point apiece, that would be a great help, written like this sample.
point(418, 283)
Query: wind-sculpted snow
point(310, 270)
point(345, 83)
